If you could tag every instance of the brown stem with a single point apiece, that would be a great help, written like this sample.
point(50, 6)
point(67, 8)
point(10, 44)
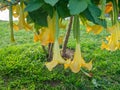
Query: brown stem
point(50, 53)
point(67, 37)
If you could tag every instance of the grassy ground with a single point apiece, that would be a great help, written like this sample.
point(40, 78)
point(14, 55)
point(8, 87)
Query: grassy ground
point(22, 65)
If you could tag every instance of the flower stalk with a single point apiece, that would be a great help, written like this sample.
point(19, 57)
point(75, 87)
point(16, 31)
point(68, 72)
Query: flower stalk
point(67, 37)
point(11, 23)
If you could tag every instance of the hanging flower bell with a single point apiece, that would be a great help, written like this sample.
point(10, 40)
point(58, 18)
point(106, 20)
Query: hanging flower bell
point(77, 62)
point(96, 29)
point(47, 33)
point(18, 11)
point(57, 59)
point(114, 39)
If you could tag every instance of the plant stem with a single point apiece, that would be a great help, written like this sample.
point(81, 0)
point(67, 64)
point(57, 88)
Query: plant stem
point(11, 23)
point(103, 4)
point(50, 53)
point(115, 11)
point(57, 27)
point(67, 37)
point(76, 28)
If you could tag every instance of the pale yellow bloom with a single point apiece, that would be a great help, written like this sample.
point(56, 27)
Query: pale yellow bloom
point(67, 63)
point(47, 34)
point(88, 65)
point(104, 45)
point(108, 7)
point(18, 11)
point(60, 40)
point(57, 59)
point(77, 62)
point(36, 37)
point(96, 29)
point(113, 40)
point(61, 24)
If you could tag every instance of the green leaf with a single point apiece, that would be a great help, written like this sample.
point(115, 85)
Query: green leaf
point(119, 4)
point(95, 1)
point(95, 11)
point(51, 2)
point(92, 13)
point(39, 17)
point(34, 5)
point(77, 6)
point(12, 1)
point(49, 9)
point(62, 9)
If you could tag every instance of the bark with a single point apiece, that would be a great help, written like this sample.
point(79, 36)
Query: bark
point(66, 37)
point(50, 51)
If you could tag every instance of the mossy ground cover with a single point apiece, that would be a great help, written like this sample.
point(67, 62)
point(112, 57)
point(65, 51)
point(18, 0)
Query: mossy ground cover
point(22, 64)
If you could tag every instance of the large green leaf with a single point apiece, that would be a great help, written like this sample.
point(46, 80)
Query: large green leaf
point(77, 6)
point(34, 5)
point(49, 9)
point(95, 1)
point(93, 13)
point(62, 9)
point(119, 4)
point(13, 1)
point(51, 2)
point(39, 17)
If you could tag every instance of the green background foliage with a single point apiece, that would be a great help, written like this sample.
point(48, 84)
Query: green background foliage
point(22, 64)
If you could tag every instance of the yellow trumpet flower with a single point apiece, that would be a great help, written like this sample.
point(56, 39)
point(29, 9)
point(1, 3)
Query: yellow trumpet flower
point(47, 34)
point(77, 62)
point(113, 40)
point(18, 11)
point(61, 24)
point(57, 59)
point(36, 37)
point(67, 63)
point(96, 29)
point(108, 7)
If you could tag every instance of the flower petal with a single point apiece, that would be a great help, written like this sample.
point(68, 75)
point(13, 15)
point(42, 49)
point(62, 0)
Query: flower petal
point(57, 59)
point(77, 62)
point(96, 29)
point(51, 65)
point(88, 65)
point(67, 63)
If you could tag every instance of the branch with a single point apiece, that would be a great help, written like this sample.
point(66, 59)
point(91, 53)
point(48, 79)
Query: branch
point(6, 5)
point(67, 37)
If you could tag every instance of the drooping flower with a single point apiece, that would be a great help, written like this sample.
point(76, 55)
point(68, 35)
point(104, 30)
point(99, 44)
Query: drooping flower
point(114, 38)
point(57, 59)
point(108, 7)
point(36, 37)
point(67, 63)
point(77, 62)
point(96, 29)
point(18, 11)
point(61, 24)
point(47, 34)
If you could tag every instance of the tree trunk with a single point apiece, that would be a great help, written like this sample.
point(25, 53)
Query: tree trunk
point(66, 37)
